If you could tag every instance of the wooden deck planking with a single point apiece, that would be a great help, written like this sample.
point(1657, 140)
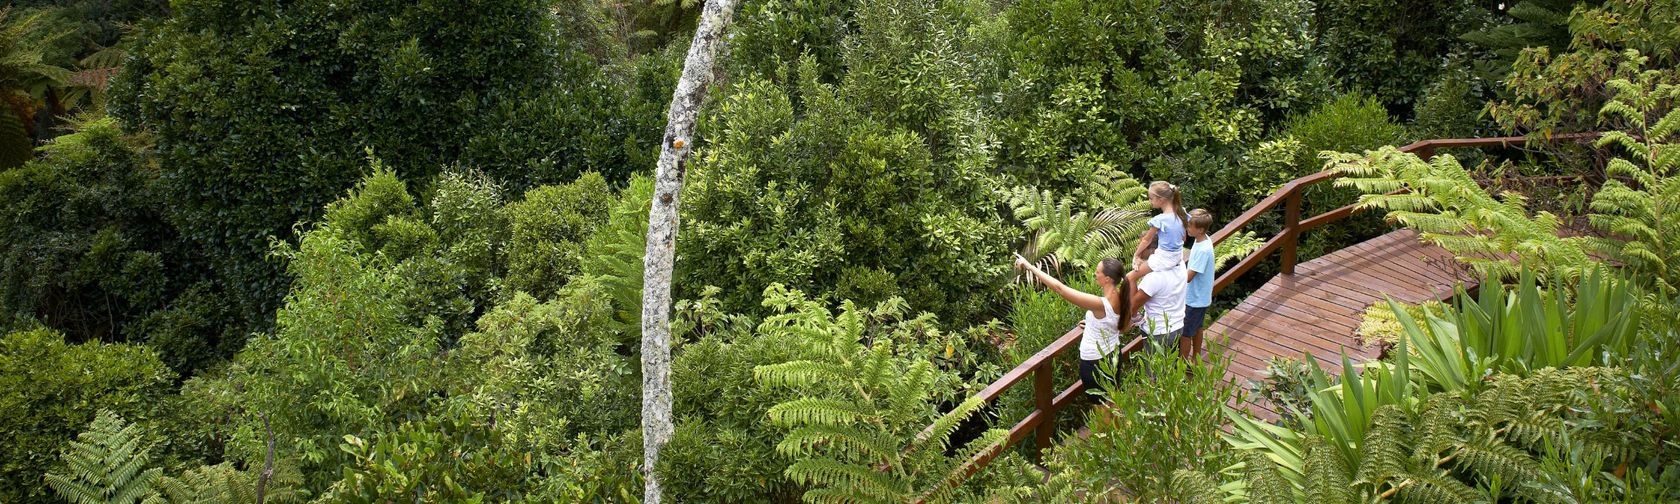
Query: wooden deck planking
point(1318, 309)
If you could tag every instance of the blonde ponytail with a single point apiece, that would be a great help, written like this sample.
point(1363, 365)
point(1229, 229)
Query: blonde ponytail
point(1166, 190)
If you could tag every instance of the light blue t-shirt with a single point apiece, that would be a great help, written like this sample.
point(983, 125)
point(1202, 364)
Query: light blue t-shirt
point(1199, 293)
point(1171, 235)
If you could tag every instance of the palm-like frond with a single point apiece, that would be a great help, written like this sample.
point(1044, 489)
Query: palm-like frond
point(858, 435)
point(108, 465)
point(1063, 236)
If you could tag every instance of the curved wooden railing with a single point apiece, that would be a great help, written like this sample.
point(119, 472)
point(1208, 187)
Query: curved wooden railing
point(1047, 402)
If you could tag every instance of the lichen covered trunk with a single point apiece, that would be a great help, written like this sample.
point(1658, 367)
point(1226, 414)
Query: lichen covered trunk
point(662, 236)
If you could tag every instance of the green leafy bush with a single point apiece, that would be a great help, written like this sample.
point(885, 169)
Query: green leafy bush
point(1350, 123)
point(1562, 91)
point(88, 249)
point(401, 330)
point(457, 456)
point(836, 191)
point(50, 391)
point(1392, 50)
point(548, 229)
point(1166, 415)
point(261, 113)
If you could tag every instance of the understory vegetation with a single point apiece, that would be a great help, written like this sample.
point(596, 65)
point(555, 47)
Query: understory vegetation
point(371, 252)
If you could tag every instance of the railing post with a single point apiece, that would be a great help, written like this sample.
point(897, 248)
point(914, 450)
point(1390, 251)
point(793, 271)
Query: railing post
point(1292, 229)
point(1044, 395)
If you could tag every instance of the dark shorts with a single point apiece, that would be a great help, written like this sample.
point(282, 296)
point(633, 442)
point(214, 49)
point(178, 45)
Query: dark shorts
point(1193, 318)
point(1088, 371)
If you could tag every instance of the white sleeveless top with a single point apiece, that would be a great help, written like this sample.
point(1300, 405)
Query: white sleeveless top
point(1102, 335)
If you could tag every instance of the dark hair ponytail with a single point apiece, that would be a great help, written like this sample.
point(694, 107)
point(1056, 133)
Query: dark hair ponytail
point(1115, 271)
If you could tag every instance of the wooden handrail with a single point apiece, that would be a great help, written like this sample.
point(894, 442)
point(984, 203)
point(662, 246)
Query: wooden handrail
point(1291, 193)
point(1041, 420)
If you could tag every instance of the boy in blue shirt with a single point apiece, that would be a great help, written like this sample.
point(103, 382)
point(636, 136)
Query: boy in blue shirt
point(1198, 292)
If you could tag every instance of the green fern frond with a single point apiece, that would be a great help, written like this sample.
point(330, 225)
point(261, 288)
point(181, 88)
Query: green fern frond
point(1327, 478)
point(819, 411)
point(108, 465)
point(866, 483)
point(850, 439)
point(800, 373)
point(1194, 487)
point(1265, 484)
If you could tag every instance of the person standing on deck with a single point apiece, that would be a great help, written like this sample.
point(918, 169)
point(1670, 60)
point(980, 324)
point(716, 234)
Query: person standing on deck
point(1160, 295)
point(1199, 289)
point(1102, 316)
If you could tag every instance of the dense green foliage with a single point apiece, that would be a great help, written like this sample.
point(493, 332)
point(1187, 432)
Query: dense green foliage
point(1166, 415)
point(866, 189)
point(262, 114)
point(401, 243)
point(52, 390)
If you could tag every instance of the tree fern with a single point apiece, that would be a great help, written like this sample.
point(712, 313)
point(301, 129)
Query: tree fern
point(857, 434)
point(1495, 235)
point(1637, 207)
point(1194, 487)
point(223, 483)
point(107, 464)
point(1064, 237)
point(1643, 218)
point(613, 253)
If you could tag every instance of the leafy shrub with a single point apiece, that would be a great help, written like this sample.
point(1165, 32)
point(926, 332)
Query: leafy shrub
point(1287, 387)
point(768, 38)
point(1163, 88)
point(51, 390)
point(1166, 415)
point(88, 249)
point(1392, 49)
point(550, 371)
point(1554, 91)
point(1350, 123)
point(398, 331)
point(804, 209)
point(1451, 107)
point(548, 229)
point(458, 456)
point(259, 125)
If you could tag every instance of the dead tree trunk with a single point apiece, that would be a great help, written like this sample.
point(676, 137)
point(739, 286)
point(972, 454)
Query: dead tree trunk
point(662, 237)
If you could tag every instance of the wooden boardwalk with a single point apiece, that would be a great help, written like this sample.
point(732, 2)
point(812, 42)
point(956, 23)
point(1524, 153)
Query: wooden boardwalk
point(1318, 309)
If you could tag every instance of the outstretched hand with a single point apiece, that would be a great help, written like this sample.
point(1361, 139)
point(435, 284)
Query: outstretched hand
point(1021, 263)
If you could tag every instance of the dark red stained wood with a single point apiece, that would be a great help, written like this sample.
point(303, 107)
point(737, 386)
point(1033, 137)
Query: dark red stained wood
point(1318, 309)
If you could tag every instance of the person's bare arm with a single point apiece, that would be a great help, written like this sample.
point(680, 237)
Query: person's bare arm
point(1081, 299)
point(1146, 244)
point(1138, 298)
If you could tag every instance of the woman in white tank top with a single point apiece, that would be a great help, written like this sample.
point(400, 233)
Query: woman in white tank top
point(1102, 315)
